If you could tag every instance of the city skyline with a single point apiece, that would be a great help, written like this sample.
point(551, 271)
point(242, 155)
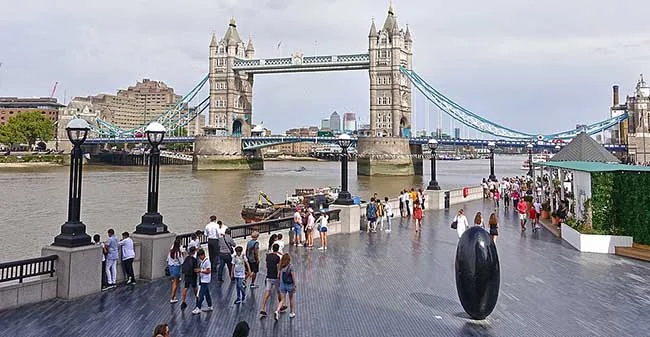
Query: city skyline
point(509, 62)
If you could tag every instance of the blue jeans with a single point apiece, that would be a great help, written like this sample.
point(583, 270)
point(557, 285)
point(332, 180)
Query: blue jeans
point(204, 293)
point(223, 260)
point(241, 293)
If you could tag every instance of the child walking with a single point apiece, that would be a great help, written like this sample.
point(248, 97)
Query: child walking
point(239, 272)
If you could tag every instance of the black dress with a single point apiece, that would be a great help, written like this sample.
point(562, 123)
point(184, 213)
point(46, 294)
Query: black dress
point(494, 230)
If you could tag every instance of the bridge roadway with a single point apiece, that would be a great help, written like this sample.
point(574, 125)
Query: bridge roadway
point(252, 143)
point(385, 284)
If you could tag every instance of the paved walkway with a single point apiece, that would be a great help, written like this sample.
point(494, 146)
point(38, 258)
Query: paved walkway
point(396, 284)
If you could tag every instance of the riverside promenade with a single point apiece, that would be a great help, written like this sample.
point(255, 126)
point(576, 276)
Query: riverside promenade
point(386, 284)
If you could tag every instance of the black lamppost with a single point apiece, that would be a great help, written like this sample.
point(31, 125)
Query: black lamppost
point(152, 221)
point(433, 184)
point(557, 148)
point(529, 147)
point(491, 145)
point(344, 197)
point(73, 231)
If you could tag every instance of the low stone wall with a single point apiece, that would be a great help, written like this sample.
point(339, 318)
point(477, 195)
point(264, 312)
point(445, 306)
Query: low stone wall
point(474, 193)
point(32, 290)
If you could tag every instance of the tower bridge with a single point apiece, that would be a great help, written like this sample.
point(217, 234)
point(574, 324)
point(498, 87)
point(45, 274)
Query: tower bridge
point(233, 66)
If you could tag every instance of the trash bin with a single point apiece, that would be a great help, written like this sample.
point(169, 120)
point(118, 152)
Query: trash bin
point(356, 200)
point(447, 201)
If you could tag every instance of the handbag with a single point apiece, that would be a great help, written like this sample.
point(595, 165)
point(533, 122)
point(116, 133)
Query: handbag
point(167, 272)
point(454, 224)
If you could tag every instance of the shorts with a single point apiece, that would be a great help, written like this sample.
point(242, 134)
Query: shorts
point(190, 282)
point(175, 271)
point(287, 288)
point(255, 267)
point(272, 283)
point(323, 229)
point(296, 229)
point(522, 216)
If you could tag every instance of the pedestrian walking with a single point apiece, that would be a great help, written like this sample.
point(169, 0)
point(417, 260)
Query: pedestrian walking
point(253, 256)
point(521, 209)
point(417, 215)
point(493, 222)
point(161, 330)
point(226, 245)
point(461, 222)
point(111, 258)
point(239, 273)
point(371, 215)
point(174, 262)
point(271, 283)
point(323, 222)
point(205, 276)
point(478, 220)
point(190, 269)
point(287, 286)
point(388, 210)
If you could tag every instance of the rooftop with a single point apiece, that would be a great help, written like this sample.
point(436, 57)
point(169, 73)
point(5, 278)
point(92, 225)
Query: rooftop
point(385, 284)
point(586, 166)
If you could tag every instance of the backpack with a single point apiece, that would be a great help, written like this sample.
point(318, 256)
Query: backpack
point(371, 211)
point(286, 276)
point(188, 266)
point(380, 209)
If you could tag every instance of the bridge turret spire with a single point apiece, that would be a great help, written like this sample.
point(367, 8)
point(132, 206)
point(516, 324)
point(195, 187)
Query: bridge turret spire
point(391, 20)
point(407, 35)
point(373, 29)
point(250, 49)
point(213, 42)
point(231, 34)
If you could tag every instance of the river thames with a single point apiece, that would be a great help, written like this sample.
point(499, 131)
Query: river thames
point(33, 202)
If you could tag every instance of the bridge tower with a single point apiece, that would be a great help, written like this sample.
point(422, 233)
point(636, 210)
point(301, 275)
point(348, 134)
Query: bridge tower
point(390, 90)
point(231, 92)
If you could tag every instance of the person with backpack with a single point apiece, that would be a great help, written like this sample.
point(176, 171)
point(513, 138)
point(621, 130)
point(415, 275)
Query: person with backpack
point(287, 286)
point(380, 214)
point(226, 245)
point(190, 268)
point(253, 256)
point(371, 215)
point(239, 273)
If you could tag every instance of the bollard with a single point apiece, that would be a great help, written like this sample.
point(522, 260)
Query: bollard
point(477, 272)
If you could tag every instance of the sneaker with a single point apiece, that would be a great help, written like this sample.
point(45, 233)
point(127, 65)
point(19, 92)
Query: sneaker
point(263, 314)
point(283, 308)
point(173, 301)
point(276, 315)
point(183, 306)
point(196, 311)
point(208, 309)
point(292, 315)
point(237, 301)
point(321, 248)
point(388, 231)
point(325, 248)
point(253, 286)
point(244, 285)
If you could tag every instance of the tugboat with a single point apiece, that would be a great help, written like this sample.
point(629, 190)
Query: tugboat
point(265, 209)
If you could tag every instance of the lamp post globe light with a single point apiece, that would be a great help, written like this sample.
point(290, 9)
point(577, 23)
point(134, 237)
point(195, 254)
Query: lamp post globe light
point(529, 147)
point(433, 184)
point(344, 197)
point(152, 221)
point(557, 148)
point(73, 231)
point(491, 146)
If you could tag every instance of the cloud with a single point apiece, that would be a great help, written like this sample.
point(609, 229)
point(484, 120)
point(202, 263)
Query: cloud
point(536, 66)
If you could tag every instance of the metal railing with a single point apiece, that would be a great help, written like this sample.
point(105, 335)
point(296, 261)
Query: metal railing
point(244, 231)
point(19, 270)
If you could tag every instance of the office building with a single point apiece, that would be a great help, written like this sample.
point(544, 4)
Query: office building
point(335, 121)
point(12, 106)
point(349, 122)
point(457, 133)
point(325, 123)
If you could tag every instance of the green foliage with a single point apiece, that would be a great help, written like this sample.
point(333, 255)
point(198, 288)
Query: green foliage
point(27, 127)
point(57, 159)
point(603, 201)
point(583, 228)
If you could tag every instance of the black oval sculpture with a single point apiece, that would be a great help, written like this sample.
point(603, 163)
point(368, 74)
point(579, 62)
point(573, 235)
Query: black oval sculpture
point(477, 272)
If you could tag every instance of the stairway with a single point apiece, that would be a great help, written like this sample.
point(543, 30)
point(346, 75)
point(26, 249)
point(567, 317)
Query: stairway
point(637, 251)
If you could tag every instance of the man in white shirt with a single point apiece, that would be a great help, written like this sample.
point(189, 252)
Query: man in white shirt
point(205, 276)
point(222, 228)
point(212, 233)
point(128, 255)
point(280, 242)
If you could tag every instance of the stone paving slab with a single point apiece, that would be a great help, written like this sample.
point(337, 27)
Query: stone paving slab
point(386, 284)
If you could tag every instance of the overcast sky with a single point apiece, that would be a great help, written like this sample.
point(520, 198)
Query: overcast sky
point(536, 66)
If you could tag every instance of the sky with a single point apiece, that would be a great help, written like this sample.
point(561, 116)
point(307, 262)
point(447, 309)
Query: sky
point(535, 66)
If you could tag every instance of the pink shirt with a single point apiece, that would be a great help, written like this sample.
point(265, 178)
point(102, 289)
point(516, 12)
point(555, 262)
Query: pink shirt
point(297, 218)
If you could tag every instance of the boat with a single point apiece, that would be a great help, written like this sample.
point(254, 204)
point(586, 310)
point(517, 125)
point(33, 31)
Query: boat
point(537, 158)
point(265, 209)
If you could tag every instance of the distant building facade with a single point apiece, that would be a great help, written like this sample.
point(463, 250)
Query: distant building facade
point(325, 123)
point(335, 121)
point(137, 105)
point(635, 131)
point(349, 122)
point(296, 149)
point(457, 133)
point(12, 106)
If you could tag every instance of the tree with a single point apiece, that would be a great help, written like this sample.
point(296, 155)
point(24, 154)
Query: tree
point(27, 127)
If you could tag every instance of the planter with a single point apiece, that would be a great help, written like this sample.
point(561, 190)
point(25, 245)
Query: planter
point(594, 243)
point(545, 214)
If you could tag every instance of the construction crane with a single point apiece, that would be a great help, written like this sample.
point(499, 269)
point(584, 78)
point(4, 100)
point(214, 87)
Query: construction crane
point(54, 89)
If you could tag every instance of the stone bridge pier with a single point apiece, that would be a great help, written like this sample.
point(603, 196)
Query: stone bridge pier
point(389, 156)
point(216, 153)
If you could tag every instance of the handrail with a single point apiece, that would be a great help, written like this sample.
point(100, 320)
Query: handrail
point(245, 230)
point(19, 270)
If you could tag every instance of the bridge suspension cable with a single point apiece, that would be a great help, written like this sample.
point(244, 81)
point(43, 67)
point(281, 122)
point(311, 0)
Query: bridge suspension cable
point(481, 124)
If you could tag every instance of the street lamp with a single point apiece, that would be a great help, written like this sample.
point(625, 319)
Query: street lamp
point(529, 147)
point(557, 148)
point(152, 221)
point(73, 231)
point(491, 145)
point(433, 184)
point(344, 197)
